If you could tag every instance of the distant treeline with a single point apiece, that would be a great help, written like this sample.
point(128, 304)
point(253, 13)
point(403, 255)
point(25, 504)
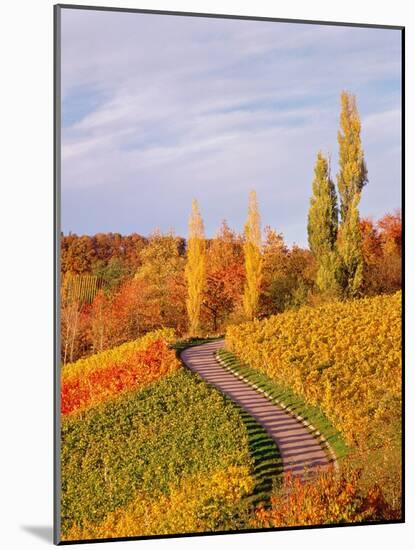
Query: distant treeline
point(139, 282)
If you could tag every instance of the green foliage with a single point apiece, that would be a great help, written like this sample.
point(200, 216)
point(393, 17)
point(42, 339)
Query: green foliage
point(181, 345)
point(111, 273)
point(323, 213)
point(199, 503)
point(329, 274)
point(322, 228)
point(350, 251)
point(146, 441)
point(352, 174)
point(351, 179)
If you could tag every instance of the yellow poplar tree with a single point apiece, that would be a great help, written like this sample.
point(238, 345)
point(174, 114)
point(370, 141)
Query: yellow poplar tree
point(351, 179)
point(253, 258)
point(352, 174)
point(195, 271)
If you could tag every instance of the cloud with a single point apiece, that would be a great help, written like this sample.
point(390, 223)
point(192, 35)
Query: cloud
point(160, 109)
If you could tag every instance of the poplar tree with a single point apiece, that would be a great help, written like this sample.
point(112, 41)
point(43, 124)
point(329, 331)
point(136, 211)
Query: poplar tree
point(322, 227)
point(351, 252)
point(195, 271)
point(352, 176)
point(253, 259)
point(351, 179)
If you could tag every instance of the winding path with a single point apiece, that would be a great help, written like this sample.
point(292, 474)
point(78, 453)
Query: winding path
point(300, 451)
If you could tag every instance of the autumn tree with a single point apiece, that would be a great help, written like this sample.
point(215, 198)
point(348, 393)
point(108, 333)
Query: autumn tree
point(195, 271)
point(275, 287)
point(352, 176)
point(287, 275)
point(351, 179)
point(123, 314)
point(225, 249)
point(390, 232)
point(322, 227)
point(382, 254)
point(351, 252)
point(224, 277)
point(92, 254)
point(253, 258)
point(77, 292)
point(160, 264)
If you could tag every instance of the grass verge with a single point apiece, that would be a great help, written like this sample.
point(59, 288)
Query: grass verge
point(181, 345)
point(282, 395)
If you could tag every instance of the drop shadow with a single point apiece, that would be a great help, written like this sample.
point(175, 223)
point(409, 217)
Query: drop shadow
point(42, 532)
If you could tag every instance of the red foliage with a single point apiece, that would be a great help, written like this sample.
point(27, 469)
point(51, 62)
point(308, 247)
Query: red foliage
point(123, 315)
point(371, 241)
point(390, 227)
point(326, 498)
point(142, 368)
point(382, 253)
point(223, 289)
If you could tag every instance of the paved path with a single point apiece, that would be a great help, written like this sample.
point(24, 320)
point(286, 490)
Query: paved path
point(300, 451)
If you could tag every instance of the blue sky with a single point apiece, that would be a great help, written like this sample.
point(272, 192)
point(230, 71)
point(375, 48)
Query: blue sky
point(159, 109)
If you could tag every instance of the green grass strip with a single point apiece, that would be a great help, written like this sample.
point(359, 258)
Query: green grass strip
point(282, 395)
point(181, 345)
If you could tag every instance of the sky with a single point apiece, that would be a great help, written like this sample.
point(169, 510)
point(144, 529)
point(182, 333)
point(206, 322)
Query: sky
point(158, 110)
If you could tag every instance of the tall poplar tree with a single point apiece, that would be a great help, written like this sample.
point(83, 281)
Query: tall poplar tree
point(351, 251)
point(352, 176)
point(351, 179)
point(195, 271)
point(322, 227)
point(253, 258)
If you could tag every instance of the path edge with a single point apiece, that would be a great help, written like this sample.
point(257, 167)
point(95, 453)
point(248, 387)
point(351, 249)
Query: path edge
point(310, 427)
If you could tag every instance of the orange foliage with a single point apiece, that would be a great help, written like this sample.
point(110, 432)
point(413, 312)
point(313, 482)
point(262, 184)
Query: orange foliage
point(390, 227)
point(222, 293)
point(138, 370)
point(382, 253)
point(82, 254)
point(326, 498)
point(124, 315)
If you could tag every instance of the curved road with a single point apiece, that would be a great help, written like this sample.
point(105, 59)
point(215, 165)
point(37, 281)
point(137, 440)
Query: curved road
point(301, 453)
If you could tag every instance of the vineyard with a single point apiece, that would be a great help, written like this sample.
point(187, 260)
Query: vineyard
point(148, 448)
point(105, 375)
point(346, 359)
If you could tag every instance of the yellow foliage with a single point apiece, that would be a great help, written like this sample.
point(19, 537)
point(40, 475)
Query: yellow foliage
point(120, 353)
point(253, 258)
point(195, 271)
point(353, 173)
point(343, 357)
point(200, 503)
